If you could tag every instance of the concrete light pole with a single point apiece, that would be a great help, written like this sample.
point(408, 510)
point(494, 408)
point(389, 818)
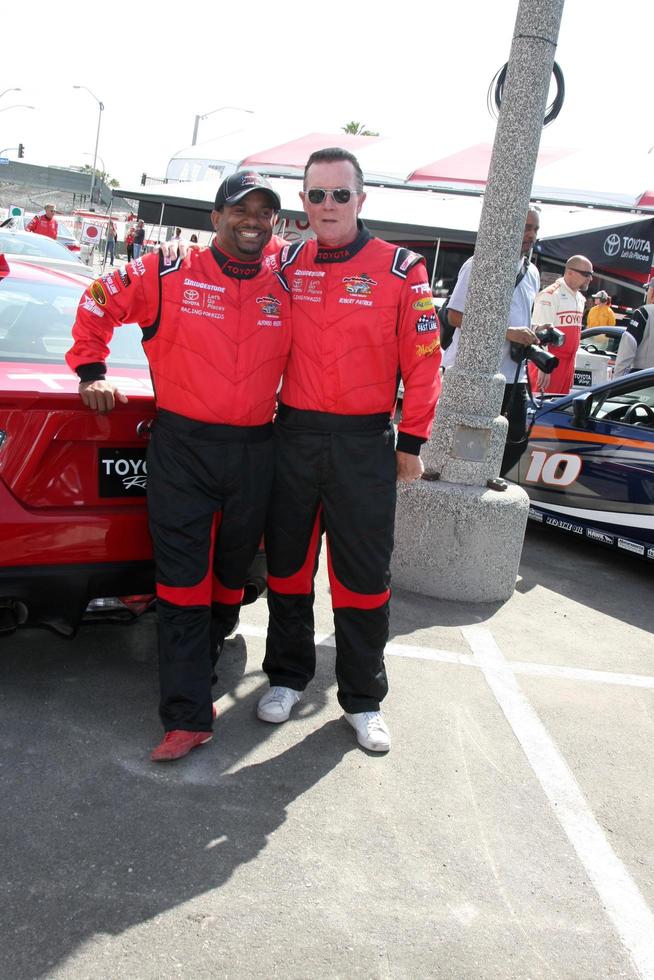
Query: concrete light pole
point(97, 135)
point(456, 537)
point(207, 114)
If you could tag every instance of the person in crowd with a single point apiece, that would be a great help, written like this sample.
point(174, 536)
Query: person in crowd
point(139, 239)
point(600, 314)
point(44, 224)
point(112, 235)
point(527, 284)
point(362, 315)
point(216, 331)
point(562, 305)
point(636, 349)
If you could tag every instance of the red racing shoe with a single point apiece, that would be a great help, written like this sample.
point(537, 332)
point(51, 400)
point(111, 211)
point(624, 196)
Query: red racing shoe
point(178, 743)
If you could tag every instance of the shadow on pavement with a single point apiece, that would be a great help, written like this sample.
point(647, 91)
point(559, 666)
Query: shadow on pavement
point(95, 838)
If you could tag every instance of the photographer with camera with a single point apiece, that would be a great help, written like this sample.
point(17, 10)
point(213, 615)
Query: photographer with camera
point(527, 284)
point(561, 306)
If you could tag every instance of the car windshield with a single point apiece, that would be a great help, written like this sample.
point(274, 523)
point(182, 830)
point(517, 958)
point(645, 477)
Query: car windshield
point(36, 320)
point(33, 245)
point(604, 343)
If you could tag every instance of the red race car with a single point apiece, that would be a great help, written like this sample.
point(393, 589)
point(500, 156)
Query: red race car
point(73, 524)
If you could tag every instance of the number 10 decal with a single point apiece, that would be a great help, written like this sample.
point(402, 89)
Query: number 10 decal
point(556, 470)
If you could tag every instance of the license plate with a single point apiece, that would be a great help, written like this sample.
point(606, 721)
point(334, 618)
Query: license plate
point(583, 379)
point(122, 472)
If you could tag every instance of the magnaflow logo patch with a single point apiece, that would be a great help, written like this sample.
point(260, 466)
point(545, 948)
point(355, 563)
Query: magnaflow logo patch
point(122, 473)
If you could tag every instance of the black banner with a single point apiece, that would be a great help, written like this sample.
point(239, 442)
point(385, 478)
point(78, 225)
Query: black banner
point(628, 248)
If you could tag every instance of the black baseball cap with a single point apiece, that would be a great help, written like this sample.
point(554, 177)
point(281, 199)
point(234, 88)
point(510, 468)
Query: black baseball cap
point(235, 187)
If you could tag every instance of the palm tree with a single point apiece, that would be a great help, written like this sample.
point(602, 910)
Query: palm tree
point(357, 129)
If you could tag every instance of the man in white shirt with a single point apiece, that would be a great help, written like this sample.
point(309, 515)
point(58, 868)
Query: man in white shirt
point(514, 403)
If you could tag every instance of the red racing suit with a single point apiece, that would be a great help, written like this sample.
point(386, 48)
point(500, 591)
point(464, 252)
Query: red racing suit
point(362, 317)
point(216, 333)
point(43, 226)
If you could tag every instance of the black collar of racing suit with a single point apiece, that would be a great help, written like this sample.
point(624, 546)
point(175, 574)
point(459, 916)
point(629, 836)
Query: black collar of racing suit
point(232, 267)
point(344, 252)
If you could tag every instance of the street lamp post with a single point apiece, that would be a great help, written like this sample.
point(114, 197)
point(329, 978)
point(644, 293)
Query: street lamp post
point(97, 135)
point(207, 114)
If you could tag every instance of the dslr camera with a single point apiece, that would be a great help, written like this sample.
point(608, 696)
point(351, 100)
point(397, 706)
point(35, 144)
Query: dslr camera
point(543, 360)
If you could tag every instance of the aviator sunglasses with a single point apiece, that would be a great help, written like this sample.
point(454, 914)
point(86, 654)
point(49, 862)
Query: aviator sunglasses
point(341, 195)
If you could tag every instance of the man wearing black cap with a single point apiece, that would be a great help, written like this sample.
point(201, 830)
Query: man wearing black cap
point(216, 331)
point(636, 350)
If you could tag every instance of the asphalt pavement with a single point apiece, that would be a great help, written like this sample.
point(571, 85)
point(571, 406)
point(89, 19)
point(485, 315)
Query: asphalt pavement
point(508, 833)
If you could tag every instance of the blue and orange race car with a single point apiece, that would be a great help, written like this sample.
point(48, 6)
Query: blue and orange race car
point(589, 464)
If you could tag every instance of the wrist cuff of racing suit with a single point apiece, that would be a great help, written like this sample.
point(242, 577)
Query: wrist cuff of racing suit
point(92, 372)
point(409, 444)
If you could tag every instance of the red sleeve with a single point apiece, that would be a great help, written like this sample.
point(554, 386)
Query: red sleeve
point(129, 295)
point(31, 225)
point(55, 228)
point(420, 360)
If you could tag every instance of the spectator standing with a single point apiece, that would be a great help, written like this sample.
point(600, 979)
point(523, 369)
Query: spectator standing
point(111, 242)
point(139, 239)
point(562, 306)
point(129, 242)
point(362, 314)
point(216, 353)
point(636, 349)
point(44, 224)
point(601, 314)
point(527, 284)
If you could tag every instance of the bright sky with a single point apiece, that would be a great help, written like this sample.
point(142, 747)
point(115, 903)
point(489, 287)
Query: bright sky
point(405, 69)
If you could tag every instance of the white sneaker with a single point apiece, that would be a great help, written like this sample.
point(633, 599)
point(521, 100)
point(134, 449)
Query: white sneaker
point(372, 731)
point(276, 704)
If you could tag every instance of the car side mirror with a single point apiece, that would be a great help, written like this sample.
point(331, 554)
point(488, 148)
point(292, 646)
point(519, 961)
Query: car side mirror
point(581, 406)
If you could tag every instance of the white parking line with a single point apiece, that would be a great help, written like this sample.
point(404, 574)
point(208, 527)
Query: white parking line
point(466, 660)
point(619, 894)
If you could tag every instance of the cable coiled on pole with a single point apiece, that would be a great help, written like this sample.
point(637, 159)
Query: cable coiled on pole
point(496, 90)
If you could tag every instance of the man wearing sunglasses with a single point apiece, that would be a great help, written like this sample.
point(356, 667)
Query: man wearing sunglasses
point(562, 305)
point(362, 317)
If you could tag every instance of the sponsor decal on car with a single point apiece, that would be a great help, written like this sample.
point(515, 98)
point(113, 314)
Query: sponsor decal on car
point(564, 525)
point(633, 546)
point(122, 472)
point(536, 515)
point(583, 379)
point(601, 536)
point(650, 553)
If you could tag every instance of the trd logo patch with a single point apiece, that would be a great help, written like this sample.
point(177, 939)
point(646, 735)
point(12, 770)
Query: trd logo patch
point(122, 473)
